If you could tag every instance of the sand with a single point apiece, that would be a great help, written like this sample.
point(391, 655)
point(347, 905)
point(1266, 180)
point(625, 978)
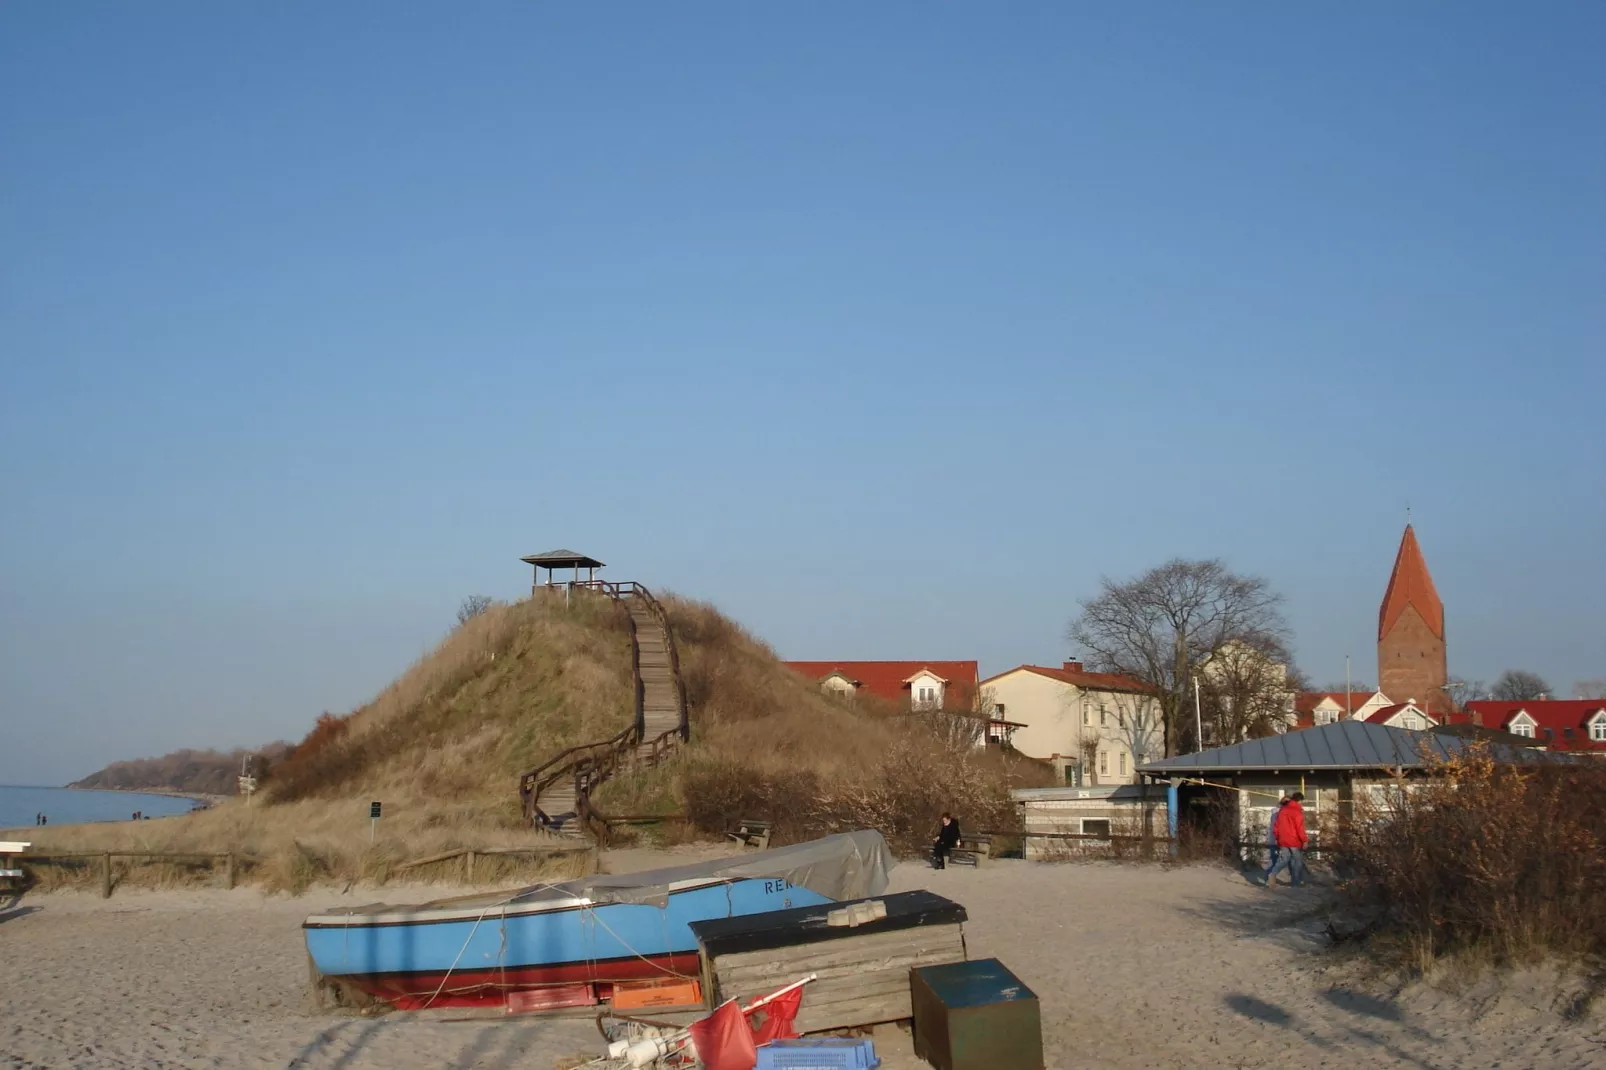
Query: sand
point(1134, 966)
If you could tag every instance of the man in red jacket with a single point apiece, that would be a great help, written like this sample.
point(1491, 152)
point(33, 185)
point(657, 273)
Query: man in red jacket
point(1289, 829)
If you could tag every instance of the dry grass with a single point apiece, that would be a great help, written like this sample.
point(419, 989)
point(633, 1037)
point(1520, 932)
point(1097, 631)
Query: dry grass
point(501, 692)
point(293, 846)
point(1484, 862)
point(768, 745)
point(442, 748)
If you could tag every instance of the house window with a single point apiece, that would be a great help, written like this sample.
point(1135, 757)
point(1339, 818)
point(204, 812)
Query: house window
point(1085, 716)
point(1123, 763)
point(1597, 728)
point(1410, 721)
point(1104, 763)
point(928, 696)
point(1522, 728)
point(1324, 717)
point(1096, 826)
point(1102, 716)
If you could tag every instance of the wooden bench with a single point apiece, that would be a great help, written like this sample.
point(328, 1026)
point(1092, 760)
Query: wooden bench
point(749, 833)
point(972, 850)
point(11, 874)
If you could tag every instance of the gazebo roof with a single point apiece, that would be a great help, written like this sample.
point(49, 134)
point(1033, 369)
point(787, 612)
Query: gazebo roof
point(561, 559)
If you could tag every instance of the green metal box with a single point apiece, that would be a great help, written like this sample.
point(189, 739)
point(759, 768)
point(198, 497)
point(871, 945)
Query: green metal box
point(975, 1016)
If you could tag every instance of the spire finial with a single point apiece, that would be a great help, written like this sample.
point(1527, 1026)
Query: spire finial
point(1407, 514)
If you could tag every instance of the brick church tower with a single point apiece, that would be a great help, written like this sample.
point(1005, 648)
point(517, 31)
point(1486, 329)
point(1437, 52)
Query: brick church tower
point(1410, 633)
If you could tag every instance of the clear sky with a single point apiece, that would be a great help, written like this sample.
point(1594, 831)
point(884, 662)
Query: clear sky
point(888, 328)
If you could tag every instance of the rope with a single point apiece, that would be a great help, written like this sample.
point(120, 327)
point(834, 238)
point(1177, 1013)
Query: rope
point(628, 947)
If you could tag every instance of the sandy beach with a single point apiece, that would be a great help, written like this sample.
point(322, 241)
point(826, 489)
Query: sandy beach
point(1135, 967)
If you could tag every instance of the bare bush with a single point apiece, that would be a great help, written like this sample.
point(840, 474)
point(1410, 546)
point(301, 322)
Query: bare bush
point(473, 606)
point(1485, 858)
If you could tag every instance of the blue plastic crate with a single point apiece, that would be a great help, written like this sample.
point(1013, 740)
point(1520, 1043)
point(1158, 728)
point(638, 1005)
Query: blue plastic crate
point(825, 1053)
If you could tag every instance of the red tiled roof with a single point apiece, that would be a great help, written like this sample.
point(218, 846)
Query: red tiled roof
point(1307, 701)
point(1556, 715)
point(887, 679)
point(1092, 681)
point(1410, 585)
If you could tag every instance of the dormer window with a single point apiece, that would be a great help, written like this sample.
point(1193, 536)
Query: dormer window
point(1597, 727)
point(1522, 725)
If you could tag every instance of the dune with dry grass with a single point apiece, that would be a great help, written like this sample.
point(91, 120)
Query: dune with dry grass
point(443, 745)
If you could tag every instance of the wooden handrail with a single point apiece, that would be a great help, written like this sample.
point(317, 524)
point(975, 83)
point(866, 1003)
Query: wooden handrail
point(592, 763)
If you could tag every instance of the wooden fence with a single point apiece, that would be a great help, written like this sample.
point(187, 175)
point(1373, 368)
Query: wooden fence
point(226, 865)
point(228, 860)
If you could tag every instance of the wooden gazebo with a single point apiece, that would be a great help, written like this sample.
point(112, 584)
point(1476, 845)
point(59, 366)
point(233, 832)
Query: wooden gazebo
point(553, 560)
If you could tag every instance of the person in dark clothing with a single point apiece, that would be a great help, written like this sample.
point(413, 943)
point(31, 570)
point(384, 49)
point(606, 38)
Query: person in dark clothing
point(947, 840)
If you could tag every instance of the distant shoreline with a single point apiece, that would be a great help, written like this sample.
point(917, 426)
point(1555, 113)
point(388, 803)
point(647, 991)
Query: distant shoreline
point(198, 796)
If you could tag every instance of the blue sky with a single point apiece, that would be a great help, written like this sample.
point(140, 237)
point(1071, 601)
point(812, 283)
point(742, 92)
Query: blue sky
point(887, 328)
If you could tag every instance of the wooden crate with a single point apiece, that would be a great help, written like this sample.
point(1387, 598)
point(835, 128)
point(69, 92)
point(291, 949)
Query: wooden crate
point(863, 972)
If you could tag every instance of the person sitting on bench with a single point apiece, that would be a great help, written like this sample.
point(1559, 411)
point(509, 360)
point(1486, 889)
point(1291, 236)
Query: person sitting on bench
point(947, 840)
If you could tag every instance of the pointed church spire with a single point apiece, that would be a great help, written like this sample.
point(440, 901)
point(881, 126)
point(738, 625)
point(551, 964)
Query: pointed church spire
point(1411, 585)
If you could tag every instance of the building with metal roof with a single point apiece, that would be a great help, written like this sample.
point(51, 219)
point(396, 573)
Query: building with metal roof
point(1344, 746)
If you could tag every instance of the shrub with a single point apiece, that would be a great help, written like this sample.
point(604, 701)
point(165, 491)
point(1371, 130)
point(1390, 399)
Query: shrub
point(1485, 858)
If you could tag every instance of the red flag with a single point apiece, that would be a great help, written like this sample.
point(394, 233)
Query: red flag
point(723, 1039)
point(778, 1015)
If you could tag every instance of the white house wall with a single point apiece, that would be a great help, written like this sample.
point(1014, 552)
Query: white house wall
point(1051, 712)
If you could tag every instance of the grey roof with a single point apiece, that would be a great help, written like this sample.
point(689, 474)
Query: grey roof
point(1347, 744)
point(562, 559)
point(1088, 793)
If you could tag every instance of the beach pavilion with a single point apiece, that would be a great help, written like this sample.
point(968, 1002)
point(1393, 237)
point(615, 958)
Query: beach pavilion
point(1234, 790)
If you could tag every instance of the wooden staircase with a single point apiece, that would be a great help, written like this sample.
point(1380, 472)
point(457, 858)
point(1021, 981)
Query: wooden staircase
point(557, 794)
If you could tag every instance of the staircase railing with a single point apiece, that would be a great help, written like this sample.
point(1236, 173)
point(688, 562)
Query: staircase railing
point(592, 763)
point(577, 761)
point(631, 589)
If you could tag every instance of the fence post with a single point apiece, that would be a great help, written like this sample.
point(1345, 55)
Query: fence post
point(228, 871)
point(106, 875)
point(468, 867)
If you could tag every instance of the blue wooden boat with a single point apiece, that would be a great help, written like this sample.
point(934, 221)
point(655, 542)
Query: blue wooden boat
point(600, 929)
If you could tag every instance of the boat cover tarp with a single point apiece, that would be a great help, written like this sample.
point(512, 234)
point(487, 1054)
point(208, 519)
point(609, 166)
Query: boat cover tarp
point(849, 865)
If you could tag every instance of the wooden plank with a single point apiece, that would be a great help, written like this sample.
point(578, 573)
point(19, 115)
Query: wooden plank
point(840, 967)
point(763, 974)
point(757, 981)
point(843, 1016)
point(847, 948)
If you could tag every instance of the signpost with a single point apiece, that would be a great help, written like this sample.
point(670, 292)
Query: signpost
point(247, 782)
point(373, 820)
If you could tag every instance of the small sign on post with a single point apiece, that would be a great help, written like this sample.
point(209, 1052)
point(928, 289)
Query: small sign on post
point(373, 820)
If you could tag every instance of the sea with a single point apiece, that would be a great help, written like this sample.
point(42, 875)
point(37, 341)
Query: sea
point(70, 806)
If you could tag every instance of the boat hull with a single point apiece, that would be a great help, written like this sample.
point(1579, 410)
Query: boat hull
point(451, 956)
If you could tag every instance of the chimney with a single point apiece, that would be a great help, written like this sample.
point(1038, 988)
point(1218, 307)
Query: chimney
point(1073, 666)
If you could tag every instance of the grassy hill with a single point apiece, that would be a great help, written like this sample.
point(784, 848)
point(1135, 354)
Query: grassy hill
point(443, 745)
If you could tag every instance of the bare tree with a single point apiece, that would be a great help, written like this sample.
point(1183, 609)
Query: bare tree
point(1591, 688)
point(1462, 692)
point(1518, 685)
point(1137, 725)
point(1161, 628)
point(1087, 746)
point(473, 606)
point(1247, 687)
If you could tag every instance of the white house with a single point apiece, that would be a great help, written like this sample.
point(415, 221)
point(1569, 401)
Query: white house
point(1312, 708)
point(1406, 715)
point(1096, 728)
